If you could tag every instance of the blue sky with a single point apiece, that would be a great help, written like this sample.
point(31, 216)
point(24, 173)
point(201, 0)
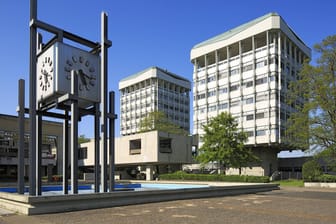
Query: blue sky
point(145, 33)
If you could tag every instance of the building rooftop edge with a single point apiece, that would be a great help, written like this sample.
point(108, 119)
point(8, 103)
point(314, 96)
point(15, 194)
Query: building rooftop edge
point(157, 68)
point(26, 118)
point(234, 31)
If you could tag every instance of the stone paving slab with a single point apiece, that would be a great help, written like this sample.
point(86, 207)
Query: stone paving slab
point(287, 205)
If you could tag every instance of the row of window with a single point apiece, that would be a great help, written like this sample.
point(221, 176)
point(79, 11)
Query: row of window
point(165, 146)
point(235, 87)
point(235, 70)
point(260, 96)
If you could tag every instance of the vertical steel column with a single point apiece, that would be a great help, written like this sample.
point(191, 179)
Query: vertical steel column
point(97, 148)
point(21, 162)
point(65, 152)
point(39, 155)
point(32, 99)
point(74, 133)
point(103, 161)
point(112, 118)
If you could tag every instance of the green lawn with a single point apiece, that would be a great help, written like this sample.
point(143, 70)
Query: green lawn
point(290, 183)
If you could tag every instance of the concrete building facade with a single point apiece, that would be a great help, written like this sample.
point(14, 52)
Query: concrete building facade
point(151, 153)
point(153, 89)
point(246, 71)
point(51, 146)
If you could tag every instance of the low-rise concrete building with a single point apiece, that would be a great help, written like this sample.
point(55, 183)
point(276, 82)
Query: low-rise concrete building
point(51, 146)
point(149, 153)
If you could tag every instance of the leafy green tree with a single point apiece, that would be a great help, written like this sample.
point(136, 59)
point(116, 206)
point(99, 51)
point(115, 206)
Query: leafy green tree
point(224, 143)
point(311, 170)
point(158, 120)
point(82, 139)
point(314, 123)
point(328, 156)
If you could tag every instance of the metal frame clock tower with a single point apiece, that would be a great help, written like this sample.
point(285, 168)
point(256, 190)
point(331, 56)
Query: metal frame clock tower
point(72, 80)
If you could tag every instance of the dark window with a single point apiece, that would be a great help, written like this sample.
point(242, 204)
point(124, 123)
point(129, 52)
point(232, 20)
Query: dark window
point(260, 115)
point(82, 153)
point(235, 103)
point(222, 90)
point(165, 145)
point(135, 146)
point(249, 100)
point(261, 81)
point(249, 84)
point(222, 106)
point(234, 87)
point(247, 68)
point(249, 117)
point(260, 132)
point(249, 133)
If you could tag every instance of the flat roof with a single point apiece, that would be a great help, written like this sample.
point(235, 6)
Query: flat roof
point(139, 76)
point(234, 31)
point(269, 21)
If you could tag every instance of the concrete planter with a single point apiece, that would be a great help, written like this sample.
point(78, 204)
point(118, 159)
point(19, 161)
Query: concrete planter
point(32, 205)
point(323, 185)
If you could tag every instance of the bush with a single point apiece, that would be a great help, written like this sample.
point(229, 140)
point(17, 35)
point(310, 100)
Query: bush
point(311, 171)
point(327, 178)
point(180, 175)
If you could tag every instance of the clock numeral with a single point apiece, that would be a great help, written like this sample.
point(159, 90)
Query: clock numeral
point(87, 63)
point(92, 69)
point(69, 63)
point(67, 69)
point(81, 59)
point(74, 59)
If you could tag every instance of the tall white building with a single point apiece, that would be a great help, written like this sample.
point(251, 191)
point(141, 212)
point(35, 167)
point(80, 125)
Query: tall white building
point(246, 71)
point(153, 89)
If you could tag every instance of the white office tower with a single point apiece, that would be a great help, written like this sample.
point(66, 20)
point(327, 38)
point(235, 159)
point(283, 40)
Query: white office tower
point(246, 71)
point(153, 89)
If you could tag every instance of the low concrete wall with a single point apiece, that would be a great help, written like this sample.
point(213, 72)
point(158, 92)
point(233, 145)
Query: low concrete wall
point(323, 185)
point(31, 205)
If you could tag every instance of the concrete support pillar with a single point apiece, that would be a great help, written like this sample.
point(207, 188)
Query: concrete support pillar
point(149, 172)
point(49, 172)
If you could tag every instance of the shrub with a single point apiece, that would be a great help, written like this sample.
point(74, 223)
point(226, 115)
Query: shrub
point(180, 175)
point(311, 170)
point(327, 178)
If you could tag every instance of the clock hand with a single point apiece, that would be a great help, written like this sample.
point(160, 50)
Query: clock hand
point(83, 78)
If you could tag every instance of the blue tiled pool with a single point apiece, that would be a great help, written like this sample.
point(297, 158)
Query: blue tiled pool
point(86, 189)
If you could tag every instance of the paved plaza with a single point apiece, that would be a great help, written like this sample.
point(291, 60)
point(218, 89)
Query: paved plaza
point(288, 205)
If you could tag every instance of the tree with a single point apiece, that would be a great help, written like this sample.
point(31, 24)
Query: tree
point(311, 170)
point(224, 143)
point(82, 139)
point(314, 123)
point(158, 120)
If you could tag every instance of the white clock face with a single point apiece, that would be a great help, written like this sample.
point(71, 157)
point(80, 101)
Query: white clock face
point(46, 73)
